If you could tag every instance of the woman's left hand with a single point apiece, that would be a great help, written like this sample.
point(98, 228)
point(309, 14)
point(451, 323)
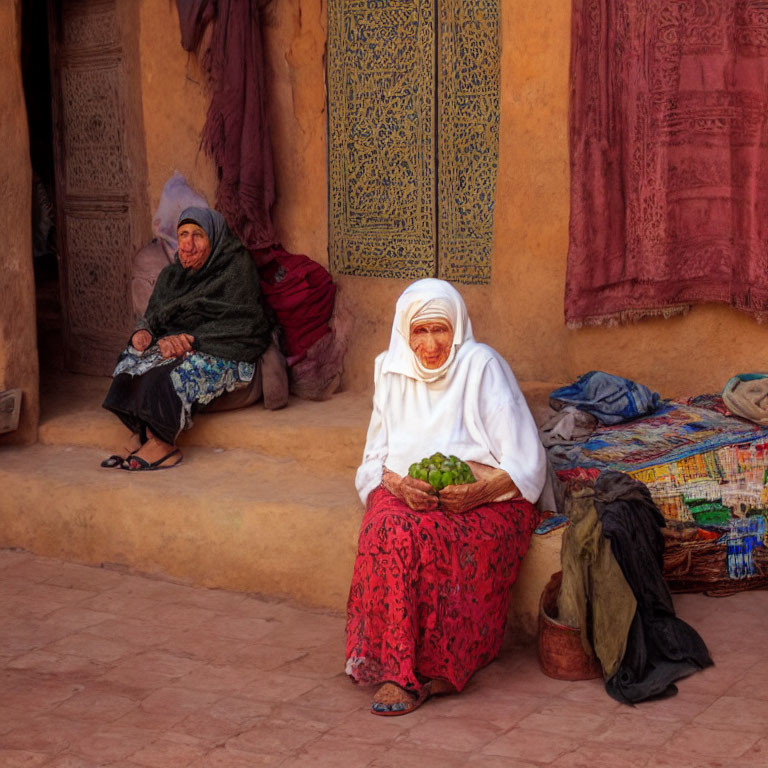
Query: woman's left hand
point(176, 345)
point(489, 484)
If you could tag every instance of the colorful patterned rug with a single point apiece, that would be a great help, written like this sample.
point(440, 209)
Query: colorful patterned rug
point(675, 432)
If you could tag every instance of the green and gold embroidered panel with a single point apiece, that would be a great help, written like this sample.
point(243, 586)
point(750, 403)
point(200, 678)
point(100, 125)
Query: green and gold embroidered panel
point(381, 73)
point(468, 137)
point(412, 195)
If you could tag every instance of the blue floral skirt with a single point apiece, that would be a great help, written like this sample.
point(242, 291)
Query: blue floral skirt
point(151, 392)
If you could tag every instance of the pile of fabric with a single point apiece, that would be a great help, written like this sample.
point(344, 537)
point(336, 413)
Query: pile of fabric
point(705, 467)
point(613, 590)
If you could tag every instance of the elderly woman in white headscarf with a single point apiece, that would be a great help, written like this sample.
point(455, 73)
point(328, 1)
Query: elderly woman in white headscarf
point(430, 590)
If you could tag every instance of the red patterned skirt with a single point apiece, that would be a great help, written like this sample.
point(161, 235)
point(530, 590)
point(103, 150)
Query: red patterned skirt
point(430, 591)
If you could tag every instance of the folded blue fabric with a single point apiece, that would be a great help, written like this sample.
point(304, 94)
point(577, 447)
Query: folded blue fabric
point(610, 399)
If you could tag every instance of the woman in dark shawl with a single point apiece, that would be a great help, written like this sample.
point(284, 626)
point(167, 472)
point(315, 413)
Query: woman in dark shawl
point(204, 329)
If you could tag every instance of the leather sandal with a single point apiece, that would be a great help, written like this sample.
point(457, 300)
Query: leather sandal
point(115, 461)
point(386, 710)
point(137, 464)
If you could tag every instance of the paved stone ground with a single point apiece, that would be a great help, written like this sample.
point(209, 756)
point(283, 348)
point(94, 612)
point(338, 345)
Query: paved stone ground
point(106, 668)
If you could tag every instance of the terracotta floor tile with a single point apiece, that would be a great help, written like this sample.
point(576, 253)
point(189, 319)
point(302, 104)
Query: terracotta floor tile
point(46, 734)
point(753, 684)
point(275, 686)
point(216, 600)
point(489, 761)
point(328, 752)
point(37, 569)
point(683, 708)
point(152, 669)
point(502, 709)
point(113, 743)
point(630, 727)
point(141, 634)
point(171, 750)
point(466, 734)
point(321, 663)
point(756, 755)
point(264, 657)
point(159, 722)
point(237, 627)
point(566, 721)
point(173, 616)
point(118, 603)
point(92, 647)
point(95, 706)
point(208, 728)
point(403, 757)
point(598, 756)
point(321, 720)
point(87, 577)
point(76, 618)
point(239, 710)
point(62, 665)
point(226, 680)
point(379, 732)
point(178, 700)
point(338, 695)
point(56, 596)
point(43, 693)
point(22, 636)
point(12, 557)
point(201, 647)
point(533, 746)
point(736, 711)
point(227, 757)
point(73, 761)
point(309, 633)
point(725, 743)
point(157, 590)
point(268, 738)
point(16, 758)
point(24, 608)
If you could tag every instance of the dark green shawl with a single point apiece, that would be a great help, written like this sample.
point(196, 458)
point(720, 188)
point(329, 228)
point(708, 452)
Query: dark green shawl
point(220, 304)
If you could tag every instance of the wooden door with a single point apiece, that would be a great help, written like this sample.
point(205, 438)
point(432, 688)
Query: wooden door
point(102, 210)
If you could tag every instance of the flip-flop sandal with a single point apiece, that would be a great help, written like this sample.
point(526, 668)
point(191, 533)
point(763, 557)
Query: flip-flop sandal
point(137, 464)
point(424, 694)
point(115, 461)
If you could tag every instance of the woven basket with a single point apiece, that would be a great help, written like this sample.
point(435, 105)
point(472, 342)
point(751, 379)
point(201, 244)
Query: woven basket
point(695, 565)
point(561, 654)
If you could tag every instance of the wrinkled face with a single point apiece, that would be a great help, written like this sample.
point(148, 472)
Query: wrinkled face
point(194, 246)
point(431, 342)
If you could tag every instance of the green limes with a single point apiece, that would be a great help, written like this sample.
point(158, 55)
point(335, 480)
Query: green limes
point(440, 471)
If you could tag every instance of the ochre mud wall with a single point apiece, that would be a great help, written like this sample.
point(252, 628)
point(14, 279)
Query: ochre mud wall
point(18, 335)
point(521, 312)
point(174, 102)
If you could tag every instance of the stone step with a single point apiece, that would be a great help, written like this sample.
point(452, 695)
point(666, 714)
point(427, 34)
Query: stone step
point(331, 432)
point(223, 518)
point(263, 502)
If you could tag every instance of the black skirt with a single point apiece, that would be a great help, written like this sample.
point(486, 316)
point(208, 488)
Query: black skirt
point(146, 402)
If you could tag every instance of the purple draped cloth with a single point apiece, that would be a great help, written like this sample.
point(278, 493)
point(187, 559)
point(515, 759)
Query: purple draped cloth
point(236, 132)
point(669, 158)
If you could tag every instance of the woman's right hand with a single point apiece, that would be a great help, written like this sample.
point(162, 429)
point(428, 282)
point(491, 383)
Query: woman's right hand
point(141, 340)
point(175, 346)
point(418, 495)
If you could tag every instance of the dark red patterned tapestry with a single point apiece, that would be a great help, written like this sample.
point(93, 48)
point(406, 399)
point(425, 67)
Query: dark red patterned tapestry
point(669, 158)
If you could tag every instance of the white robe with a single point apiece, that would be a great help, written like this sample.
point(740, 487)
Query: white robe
point(475, 411)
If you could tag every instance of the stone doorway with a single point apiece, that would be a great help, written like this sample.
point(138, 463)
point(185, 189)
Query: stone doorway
point(90, 141)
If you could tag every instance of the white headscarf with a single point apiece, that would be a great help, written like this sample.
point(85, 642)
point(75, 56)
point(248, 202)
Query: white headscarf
point(420, 302)
point(471, 406)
